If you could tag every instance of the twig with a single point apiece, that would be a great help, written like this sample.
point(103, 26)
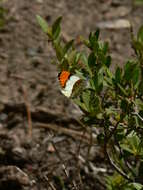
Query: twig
point(63, 165)
point(61, 160)
point(137, 114)
point(106, 141)
point(90, 145)
point(15, 76)
point(74, 134)
point(28, 110)
point(136, 111)
point(113, 131)
point(50, 184)
point(116, 167)
point(122, 154)
point(78, 154)
point(39, 114)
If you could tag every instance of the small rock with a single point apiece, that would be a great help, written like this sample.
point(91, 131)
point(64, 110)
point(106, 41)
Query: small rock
point(31, 52)
point(39, 1)
point(51, 148)
point(116, 2)
point(97, 169)
point(114, 24)
point(36, 61)
point(3, 117)
point(18, 150)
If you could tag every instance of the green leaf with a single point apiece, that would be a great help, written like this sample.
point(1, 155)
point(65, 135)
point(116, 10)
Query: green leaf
point(127, 148)
point(85, 42)
point(91, 102)
point(118, 75)
point(77, 57)
point(136, 75)
point(107, 61)
point(73, 57)
point(134, 140)
point(94, 104)
point(97, 33)
point(43, 24)
point(105, 48)
point(98, 82)
point(85, 62)
point(124, 105)
point(75, 61)
point(138, 47)
point(80, 75)
point(123, 91)
point(80, 104)
point(92, 62)
point(140, 34)
point(138, 2)
point(68, 46)
point(108, 72)
point(58, 49)
point(137, 186)
point(120, 133)
point(63, 65)
point(128, 69)
point(92, 39)
point(56, 28)
point(132, 144)
point(132, 72)
point(86, 98)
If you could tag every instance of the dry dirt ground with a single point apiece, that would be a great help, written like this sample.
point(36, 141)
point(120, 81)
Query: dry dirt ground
point(52, 156)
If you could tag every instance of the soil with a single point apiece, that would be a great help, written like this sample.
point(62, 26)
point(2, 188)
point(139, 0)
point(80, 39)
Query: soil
point(54, 154)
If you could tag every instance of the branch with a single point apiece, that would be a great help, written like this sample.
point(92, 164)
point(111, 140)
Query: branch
point(116, 167)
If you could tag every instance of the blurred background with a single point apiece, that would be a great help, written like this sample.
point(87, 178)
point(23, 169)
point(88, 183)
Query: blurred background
point(24, 49)
point(27, 77)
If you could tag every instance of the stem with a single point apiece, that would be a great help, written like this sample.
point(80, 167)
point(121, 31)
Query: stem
point(125, 161)
point(107, 138)
point(115, 166)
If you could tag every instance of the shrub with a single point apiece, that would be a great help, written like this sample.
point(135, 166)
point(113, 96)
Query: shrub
point(110, 101)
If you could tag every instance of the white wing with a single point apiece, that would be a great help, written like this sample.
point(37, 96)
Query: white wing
point(67, 91)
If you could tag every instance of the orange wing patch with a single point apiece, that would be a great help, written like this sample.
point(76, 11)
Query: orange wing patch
point(63, 77)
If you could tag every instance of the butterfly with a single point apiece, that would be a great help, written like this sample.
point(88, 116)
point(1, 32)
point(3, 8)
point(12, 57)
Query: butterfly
point(67, 82)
